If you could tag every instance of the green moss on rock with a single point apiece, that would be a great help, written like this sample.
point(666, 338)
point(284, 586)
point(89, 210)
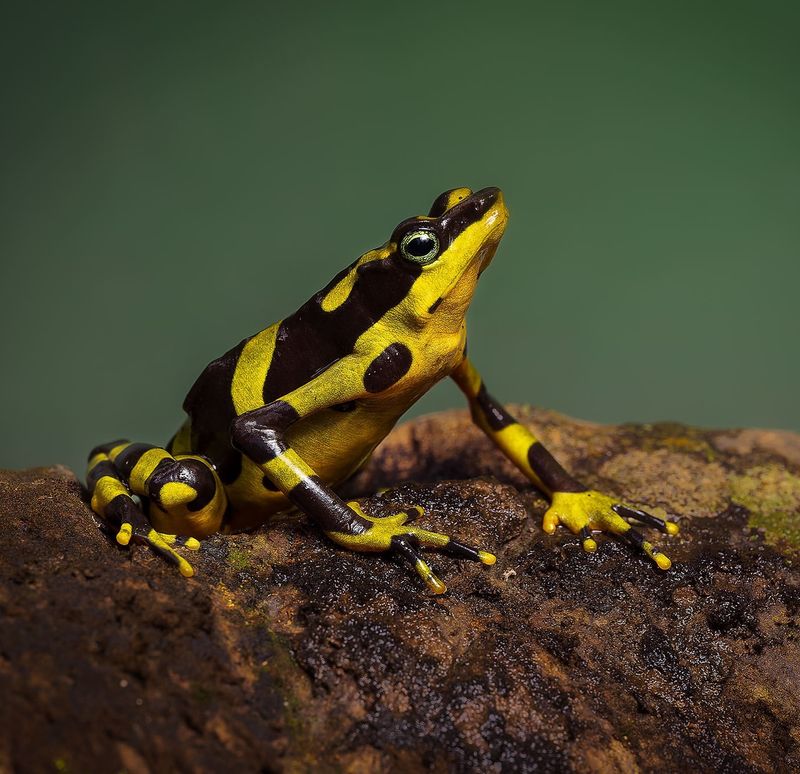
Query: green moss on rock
point(238, 559)
point(772, 495)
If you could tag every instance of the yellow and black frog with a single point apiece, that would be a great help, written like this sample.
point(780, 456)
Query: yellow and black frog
point(287, 415)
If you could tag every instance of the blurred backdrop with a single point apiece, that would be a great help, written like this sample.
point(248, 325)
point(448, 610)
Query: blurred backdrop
point(176, 176)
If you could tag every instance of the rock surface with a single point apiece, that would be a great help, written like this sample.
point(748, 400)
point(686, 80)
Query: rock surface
point(285, 653)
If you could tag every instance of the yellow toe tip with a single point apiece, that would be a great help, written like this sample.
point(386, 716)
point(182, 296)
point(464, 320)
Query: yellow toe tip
point(435, 585)
point(192, 543)
point(186, 569)
point(662, 561)
point(431, 581)
point(590, 545)
point(486, 557)
point(124, 535)
point(672, 528)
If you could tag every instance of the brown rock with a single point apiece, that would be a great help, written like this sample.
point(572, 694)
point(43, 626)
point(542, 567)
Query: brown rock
point(287, 653)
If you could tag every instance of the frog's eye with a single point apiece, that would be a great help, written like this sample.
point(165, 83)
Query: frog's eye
point(420, 246)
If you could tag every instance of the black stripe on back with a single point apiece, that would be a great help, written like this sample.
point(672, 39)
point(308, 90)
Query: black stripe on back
point(312, 339)
point(210, 406)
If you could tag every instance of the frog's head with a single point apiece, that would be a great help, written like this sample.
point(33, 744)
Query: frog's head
point(427, 270)
point(450, 247)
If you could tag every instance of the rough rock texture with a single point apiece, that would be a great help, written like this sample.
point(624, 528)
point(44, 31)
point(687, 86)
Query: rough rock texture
point(286, 653)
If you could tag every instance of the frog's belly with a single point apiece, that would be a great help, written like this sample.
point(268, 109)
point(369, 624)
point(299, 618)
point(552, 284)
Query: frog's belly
point(333, 443)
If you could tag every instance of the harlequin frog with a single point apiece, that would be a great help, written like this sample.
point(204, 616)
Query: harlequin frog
point(290, 413)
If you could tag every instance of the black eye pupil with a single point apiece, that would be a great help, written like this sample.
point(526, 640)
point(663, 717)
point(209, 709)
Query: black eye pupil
point(420, 245)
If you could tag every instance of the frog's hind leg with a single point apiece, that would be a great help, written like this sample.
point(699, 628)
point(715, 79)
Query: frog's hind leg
point(180, 495)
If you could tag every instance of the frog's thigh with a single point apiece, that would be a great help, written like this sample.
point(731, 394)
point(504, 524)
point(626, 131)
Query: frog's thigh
point(182, 494)
point(112, 500)
point(170, 491)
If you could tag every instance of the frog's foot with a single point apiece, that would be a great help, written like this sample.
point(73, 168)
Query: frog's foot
point(133, 527)
point(396, 535)
point(583, 512)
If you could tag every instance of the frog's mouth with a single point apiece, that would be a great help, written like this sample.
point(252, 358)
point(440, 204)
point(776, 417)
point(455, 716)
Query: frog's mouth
point(487, 254)
point(481, 260)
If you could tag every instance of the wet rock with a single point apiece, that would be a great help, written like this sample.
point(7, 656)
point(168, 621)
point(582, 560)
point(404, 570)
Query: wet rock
point(287, 653)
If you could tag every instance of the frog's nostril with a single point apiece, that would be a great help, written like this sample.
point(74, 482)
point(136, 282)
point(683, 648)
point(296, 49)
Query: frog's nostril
point(482, 201)
point(447, 200)
point(486, 197)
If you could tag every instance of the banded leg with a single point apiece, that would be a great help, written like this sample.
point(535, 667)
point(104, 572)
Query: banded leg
point(572, 504)
point(180, 496)
point(260, 434)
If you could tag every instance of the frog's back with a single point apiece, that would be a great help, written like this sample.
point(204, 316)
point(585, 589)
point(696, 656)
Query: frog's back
point(282, 358)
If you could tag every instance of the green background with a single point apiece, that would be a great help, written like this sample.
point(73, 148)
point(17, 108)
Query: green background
point(176, 177)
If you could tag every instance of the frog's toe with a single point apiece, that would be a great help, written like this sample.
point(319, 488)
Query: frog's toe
point(550, 521)
point(587, 541)
point(636, 539)
point(133, 527)
point(162, 546)
point(193, 544)
point(451, 547)
point(583, 512)
point(397, 535)
point(407, 546)
point(138, 531)
point(407, 549)
point(667, 527)
point(614, 523)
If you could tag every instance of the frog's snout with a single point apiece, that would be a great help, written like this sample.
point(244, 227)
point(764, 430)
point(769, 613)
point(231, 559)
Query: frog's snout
point(487, 197)
point(480, 203)
point(490, 207)
point(486, 205)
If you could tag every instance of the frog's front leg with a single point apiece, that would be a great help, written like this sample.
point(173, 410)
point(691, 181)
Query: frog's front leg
point(260, 434)
point(572, 504)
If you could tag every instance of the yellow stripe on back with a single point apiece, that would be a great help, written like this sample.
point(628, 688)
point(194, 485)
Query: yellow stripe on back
point(340, 292)
point(247, 389)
